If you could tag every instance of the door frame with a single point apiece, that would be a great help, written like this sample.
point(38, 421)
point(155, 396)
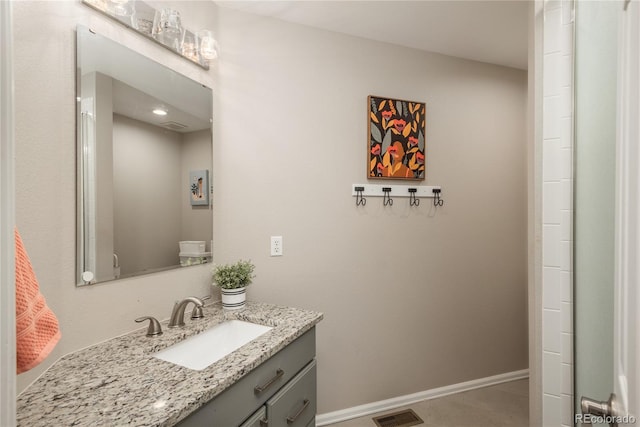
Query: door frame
point(627, 270)
point(7, 222)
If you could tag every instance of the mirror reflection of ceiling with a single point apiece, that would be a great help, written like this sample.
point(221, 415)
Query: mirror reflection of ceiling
point(137, 71)
point(133, 103)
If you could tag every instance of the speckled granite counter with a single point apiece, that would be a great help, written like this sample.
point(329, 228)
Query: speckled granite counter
point(120, 383)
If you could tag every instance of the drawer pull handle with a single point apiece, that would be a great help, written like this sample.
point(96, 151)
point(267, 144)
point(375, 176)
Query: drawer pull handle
point(260, 388)
point(264, 422)
point(291, 420)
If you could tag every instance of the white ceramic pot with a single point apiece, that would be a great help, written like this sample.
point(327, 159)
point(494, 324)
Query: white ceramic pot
point(233, 299)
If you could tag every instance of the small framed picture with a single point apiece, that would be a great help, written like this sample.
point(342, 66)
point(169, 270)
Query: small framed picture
point(199, 187)
point(396, 147)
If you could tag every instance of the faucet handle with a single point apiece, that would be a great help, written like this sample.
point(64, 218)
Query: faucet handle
point(197, 310)
point(154, 326)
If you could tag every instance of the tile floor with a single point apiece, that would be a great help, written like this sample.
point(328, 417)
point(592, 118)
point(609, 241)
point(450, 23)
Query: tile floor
point(502, 405)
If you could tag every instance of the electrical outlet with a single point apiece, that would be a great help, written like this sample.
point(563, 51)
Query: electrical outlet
point(276, 245)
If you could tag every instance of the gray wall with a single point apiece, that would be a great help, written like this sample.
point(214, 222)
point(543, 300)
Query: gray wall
point(147, 178)
point(195, 154)
point(151, 174)
point(413, 298)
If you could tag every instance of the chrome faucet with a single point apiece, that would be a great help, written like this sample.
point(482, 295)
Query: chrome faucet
point(197, 310)
point(177, 315)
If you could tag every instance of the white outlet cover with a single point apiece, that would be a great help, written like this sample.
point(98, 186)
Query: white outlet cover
point(276, 246)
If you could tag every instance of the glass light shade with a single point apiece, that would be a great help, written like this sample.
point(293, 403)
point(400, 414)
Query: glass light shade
point(208, 44)
point(98, 4)
point(189, 46)
point(121, 7)
point(167, 28)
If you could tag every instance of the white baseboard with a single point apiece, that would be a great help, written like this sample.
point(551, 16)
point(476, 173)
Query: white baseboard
point(396, 402)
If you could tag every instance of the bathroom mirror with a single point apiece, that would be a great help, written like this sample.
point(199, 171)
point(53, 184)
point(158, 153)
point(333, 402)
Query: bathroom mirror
point(144, 164)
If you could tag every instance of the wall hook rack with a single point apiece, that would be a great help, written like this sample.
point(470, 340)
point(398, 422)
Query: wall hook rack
point(413, 201)
point(413, 192)
point(437, 201)
point(386, 196)
point(360, 200)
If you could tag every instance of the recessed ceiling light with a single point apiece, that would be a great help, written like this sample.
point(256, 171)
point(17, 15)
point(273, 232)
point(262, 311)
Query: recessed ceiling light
point(160, 112)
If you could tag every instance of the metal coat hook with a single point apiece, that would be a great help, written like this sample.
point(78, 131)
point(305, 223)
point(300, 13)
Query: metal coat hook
point(386, 198)
point(360, 200)
point(437, 201)
point(413, 201)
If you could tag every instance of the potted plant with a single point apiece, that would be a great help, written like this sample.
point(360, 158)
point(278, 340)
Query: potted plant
point(232, 279)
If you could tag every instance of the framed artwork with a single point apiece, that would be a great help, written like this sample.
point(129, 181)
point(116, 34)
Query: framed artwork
point(199, 187)
point(396, 148)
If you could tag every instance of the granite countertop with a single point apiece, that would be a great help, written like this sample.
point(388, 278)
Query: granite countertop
point(119, 382)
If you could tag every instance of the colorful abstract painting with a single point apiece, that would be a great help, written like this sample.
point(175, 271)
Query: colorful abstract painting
point(199, 187)
point(396, 139)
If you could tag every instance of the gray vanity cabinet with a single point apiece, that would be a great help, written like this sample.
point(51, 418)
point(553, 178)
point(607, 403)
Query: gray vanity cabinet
point(259, 419)
point(294, 405)
point(281, 392)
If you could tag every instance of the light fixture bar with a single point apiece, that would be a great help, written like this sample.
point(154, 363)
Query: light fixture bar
point(142, 20)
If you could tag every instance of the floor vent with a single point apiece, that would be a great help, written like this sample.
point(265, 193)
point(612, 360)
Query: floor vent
point(398, 419)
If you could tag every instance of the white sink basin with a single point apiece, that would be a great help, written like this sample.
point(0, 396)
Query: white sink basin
point(201, 350)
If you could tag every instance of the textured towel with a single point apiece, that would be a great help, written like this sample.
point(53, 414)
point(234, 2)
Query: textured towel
point(37, 330)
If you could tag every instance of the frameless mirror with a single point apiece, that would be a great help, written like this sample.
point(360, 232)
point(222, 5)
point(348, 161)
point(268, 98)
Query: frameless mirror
point(144, 162)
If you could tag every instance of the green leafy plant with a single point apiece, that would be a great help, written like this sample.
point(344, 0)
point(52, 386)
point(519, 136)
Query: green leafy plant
point(233, 276)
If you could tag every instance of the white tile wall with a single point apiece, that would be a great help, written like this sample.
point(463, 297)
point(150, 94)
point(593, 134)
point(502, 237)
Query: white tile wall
point(551, 335)
point(566, 130)
point(566, 311)
point(567, 348)
point(565, 226)
point(567, 375)
point(566, 286)
point(567, 411)
point(551, 114)
point(551, 214)
point(550, 80)
point(566, 200)
point(565, 255)
point(551, 410)
point(552, 28)
point(552, 373)
point(551, 290)
point(557, 214)
point(550, 244)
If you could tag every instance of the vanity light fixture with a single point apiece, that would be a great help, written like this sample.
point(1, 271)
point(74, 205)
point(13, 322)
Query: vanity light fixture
point(160, 112)
point(121, 7)
point(163, 26)
point(207, 44)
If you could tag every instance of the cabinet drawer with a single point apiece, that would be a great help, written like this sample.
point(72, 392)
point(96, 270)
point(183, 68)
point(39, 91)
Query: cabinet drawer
point(250, 392)
point(257, 419)
point(295, 404)
point(312, 423)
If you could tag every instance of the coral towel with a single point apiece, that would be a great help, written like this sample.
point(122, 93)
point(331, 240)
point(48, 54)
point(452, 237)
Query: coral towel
point(37, 331)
